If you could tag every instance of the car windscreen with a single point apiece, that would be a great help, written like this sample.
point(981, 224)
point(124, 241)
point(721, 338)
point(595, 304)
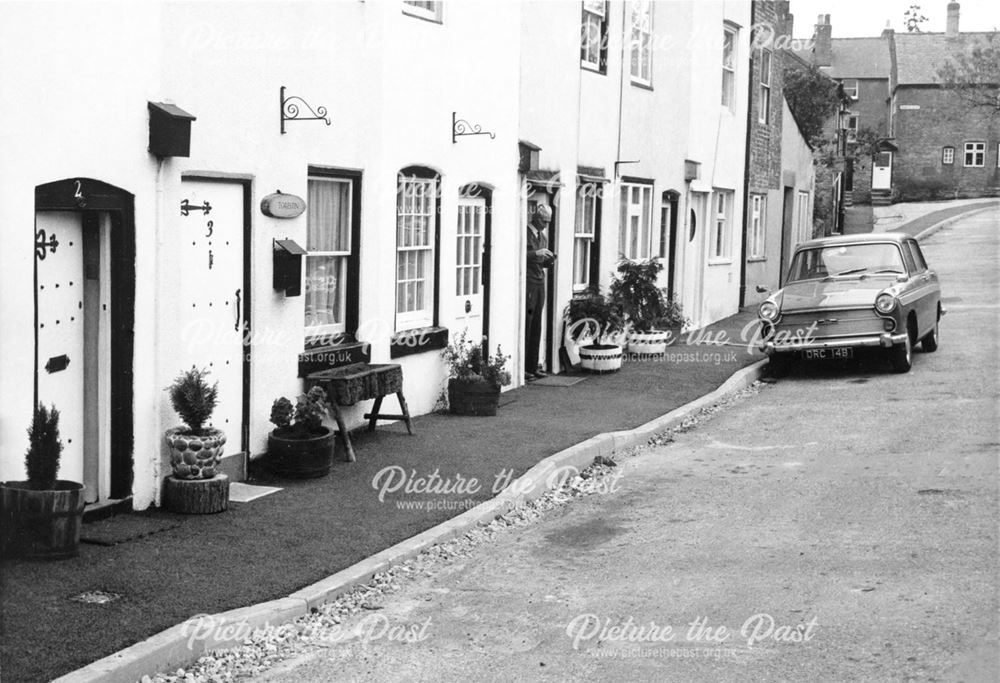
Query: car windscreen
point(844, 260)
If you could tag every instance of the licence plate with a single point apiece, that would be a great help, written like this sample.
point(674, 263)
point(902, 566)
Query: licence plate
point(829, 354)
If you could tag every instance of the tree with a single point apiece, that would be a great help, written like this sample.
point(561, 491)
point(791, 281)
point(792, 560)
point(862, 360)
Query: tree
point(972, 73)
point(813, 98)
point(913, 18)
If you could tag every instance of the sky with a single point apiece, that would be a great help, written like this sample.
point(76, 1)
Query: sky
point(862, 18)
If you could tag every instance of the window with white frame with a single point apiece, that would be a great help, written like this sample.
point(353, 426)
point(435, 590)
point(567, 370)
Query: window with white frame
point(948, 156)
point(635, 229)
point(328, 246)
point(851, 127)
point(764, 115)
point(729, 67)
point(803, 220)
point(850, 86)
point(584, 234)
point(758, 225)
point(594, 35)
point(416, 236)
point(975, 154)
point(722, 225)
point(641, 48)
point(425, 9)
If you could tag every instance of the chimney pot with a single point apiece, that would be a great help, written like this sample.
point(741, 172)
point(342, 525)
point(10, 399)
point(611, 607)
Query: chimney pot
point(952, 27)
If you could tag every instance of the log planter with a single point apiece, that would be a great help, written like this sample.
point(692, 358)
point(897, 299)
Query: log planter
point(196, 496)
point(476, 397)
point(601, 358)
point(41, 524)
point(294, 457)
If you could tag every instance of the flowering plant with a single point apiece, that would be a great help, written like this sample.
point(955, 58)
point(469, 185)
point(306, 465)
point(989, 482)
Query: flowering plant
point(305, 419)
point(468, 362)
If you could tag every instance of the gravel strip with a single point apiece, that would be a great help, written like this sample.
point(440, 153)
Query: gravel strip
point(327, 625)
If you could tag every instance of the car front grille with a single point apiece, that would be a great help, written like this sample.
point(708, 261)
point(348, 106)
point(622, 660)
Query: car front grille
point(845, 323)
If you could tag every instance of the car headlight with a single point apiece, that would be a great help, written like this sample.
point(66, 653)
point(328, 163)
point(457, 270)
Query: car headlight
point(768, 311)
point(885, 302)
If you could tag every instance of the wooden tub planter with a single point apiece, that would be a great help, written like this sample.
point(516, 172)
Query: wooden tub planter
point(41, 523)
point(293, 456)
point(475, 397)
point(601, 358)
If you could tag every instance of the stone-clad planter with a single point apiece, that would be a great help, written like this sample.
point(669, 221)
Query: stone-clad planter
point(195, 456)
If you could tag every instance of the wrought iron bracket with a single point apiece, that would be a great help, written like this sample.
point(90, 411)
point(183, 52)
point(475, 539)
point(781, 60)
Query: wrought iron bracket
point(187, 207)
point(290, 110)
point(42, 246)
point(461, 127)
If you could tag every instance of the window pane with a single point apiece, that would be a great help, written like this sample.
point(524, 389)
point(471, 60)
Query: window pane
point(329, 216)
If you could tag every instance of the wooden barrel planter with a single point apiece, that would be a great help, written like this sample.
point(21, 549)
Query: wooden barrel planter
point(41, 524)
point(652, 343)
point(601, 358)
point(300, 458)
point(477, 398)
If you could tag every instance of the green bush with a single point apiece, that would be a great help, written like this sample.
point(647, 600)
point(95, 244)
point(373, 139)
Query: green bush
point(306, 418)
point(45, 447)
point(193, 398)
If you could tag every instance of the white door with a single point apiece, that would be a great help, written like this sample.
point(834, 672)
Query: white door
point(694, 257)
point(882, 171)
point(469, 266)
point(73, 308)
point(211, 296)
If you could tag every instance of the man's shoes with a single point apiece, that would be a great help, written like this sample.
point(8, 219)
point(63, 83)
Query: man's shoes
point(541, 373)
point(530, 377)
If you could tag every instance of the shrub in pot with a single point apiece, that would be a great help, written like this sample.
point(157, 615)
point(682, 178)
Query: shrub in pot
point(40, 518)
point(300, 447)
point(474, 377)
point(654, 319)
point(593, 317)
point(195, 450)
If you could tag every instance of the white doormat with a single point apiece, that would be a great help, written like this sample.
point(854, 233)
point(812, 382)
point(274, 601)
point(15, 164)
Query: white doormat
point(244, 493)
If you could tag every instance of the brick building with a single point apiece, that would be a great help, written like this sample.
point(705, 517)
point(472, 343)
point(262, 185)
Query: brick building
point(780, 176)
point(945, 149)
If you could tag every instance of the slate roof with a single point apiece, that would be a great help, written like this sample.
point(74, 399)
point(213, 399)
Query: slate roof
point(919, 55)
point(855, 58)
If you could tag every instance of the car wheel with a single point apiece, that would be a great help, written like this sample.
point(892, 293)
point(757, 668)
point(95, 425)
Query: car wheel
point(901, 355)
point(930, 341)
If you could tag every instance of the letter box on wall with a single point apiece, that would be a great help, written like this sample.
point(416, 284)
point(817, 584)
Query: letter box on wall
point(288, 267)
point(169, 130)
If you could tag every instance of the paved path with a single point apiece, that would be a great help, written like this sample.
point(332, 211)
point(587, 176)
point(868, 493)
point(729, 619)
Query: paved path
point(926, 220)
point(855, 508)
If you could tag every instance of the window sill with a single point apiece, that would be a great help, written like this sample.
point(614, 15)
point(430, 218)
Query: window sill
point(319, 358)
point(756, 259)
point(642, 86)
point(587, 66)
point(417, 340)
point(726, 261)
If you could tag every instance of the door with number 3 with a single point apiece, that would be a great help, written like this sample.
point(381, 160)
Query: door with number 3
point(470, 242)
point(212, 297)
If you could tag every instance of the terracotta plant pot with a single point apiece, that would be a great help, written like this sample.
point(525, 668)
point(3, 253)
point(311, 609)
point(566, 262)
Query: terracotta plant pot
point(295, 457)
point(478, 397)
point(601, 358)
point(41, 524)
point(195, 456)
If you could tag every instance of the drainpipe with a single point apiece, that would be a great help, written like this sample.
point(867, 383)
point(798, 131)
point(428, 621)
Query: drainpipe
point(746, 169)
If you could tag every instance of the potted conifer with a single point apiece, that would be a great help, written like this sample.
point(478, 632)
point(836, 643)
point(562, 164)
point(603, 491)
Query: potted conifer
point(40, 518)
point(196, 485)
point(595, 323)
point(300, 447)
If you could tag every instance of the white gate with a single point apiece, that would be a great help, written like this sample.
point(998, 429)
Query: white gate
point(469, 266)
point(211, 296)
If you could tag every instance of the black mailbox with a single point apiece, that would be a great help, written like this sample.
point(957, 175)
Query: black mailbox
point(169, 130)
point(288, 267)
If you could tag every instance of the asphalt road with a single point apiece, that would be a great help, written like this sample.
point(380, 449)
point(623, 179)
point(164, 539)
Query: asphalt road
point(841, 524)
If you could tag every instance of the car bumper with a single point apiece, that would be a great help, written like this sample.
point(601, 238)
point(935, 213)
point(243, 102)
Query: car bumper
point(884, 340)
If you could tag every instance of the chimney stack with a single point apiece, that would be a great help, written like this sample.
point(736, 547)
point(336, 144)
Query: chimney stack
point(952, 29)
point(823, 37)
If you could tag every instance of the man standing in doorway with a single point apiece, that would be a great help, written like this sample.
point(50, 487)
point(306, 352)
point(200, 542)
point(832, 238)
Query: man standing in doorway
point(539, 259)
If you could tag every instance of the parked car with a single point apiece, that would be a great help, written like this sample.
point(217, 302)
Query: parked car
point(853, 292)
